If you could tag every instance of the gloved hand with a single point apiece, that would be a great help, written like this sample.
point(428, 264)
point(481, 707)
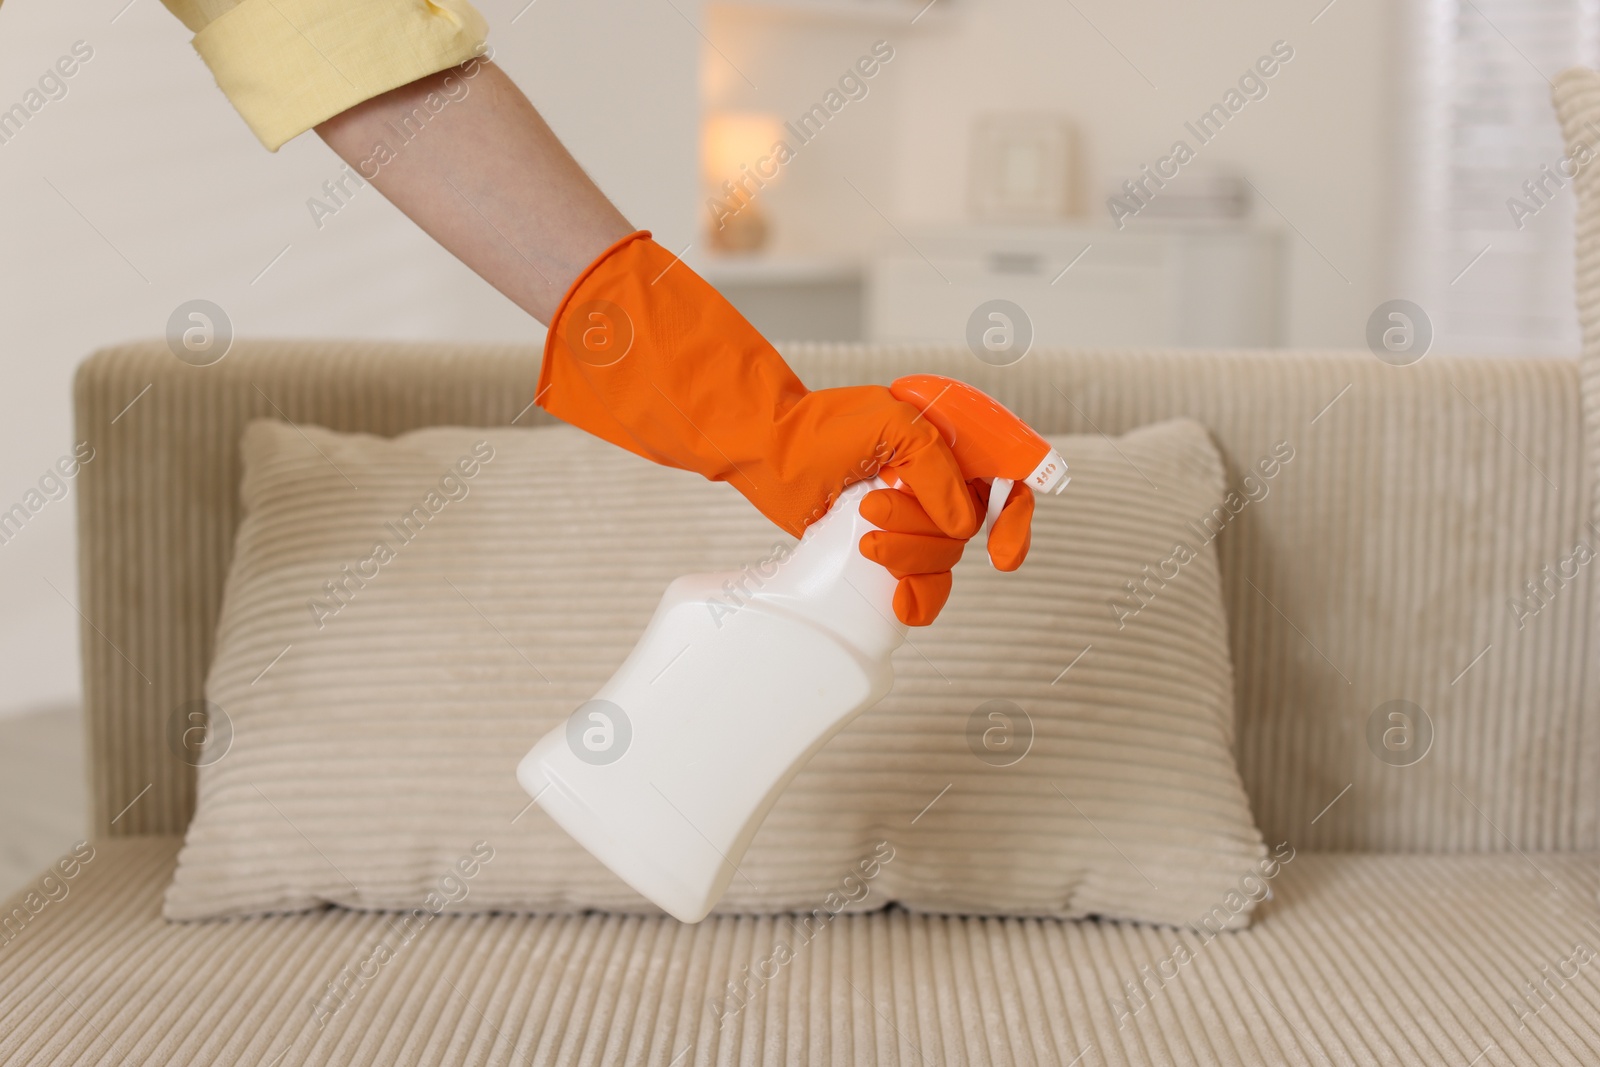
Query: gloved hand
point(645, 354)
point(916, 551)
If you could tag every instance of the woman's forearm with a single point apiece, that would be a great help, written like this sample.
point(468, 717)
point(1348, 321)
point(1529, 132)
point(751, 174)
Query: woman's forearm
point(465, 156)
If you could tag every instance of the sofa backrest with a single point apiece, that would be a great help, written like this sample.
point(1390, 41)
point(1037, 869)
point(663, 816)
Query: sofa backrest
point(1386, 561)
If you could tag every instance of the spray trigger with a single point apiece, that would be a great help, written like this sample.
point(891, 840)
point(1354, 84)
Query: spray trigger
point(999, 493)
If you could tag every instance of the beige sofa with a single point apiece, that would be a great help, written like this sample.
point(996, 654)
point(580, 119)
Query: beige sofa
point(1442, 912)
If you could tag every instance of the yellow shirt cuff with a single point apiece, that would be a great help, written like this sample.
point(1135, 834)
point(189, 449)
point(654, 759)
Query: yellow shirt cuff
point(290, 64)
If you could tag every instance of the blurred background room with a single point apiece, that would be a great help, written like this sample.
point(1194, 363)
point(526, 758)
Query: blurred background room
point(994, 173)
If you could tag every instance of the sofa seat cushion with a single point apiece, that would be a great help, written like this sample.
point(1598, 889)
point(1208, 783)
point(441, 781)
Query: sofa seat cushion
point(1356, 959)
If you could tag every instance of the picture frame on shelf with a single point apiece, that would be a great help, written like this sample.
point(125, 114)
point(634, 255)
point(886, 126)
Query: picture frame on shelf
point(1023, 167)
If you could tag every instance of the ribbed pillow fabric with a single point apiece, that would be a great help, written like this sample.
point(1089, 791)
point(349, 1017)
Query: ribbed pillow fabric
point(404, 617)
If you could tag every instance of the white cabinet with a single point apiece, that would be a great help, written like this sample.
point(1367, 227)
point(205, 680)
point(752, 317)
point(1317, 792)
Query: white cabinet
point(1171, 285)
point(792, 299)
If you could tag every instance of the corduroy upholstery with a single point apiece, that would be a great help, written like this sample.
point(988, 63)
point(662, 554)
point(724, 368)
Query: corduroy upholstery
point(1420, 500)
point(1373, 959)
point(1382, 566)
point(1576, 94)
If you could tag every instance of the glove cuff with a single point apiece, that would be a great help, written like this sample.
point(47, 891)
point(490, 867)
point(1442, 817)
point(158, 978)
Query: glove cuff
point(646, 354)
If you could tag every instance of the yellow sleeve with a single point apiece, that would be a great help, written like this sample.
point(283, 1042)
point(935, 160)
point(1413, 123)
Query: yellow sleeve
point(289, 64)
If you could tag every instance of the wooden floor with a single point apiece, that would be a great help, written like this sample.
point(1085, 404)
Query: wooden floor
point(43, 803)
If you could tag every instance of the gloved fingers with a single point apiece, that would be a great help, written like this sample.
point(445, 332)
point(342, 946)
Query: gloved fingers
point(919, 597)
point(899, 511)
point(1012, 532)
point(930, 473)
point(905, 554)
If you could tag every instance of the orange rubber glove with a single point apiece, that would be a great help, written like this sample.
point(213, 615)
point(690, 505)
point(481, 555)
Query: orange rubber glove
point(911, 546)
point(644, 353)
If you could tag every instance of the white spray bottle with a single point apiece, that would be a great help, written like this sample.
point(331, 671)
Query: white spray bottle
point(668, 772)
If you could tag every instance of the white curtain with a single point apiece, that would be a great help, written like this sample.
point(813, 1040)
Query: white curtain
point(1484, 217)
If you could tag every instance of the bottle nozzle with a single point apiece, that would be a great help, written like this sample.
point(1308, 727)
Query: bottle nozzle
point(1050, 476)
point(988, 441)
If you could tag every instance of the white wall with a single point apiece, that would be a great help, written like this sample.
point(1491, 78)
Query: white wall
point(151, 154)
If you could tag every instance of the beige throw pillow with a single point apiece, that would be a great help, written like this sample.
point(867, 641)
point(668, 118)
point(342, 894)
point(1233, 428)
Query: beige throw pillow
point(405, 617)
